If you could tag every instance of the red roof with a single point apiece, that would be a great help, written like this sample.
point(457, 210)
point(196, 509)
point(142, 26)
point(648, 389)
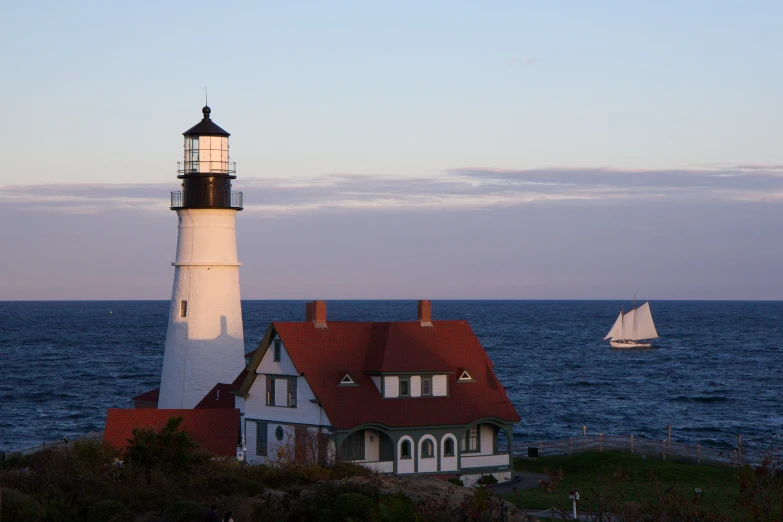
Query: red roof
point(150, 396)
point(222, 394)
point(325, 355)
point(216, 431)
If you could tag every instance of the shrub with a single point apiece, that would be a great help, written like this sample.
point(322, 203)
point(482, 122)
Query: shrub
point(457, 482)
point(183, 512)
point(487, 480)
point(171, 447)
point(354, 506)
point(17, 506)
point(395, 508)
point(108, 511)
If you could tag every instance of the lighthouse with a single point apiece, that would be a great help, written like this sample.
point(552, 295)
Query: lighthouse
point(204, 340)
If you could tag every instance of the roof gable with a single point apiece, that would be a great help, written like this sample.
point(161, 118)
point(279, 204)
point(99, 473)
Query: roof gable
point(324, 356)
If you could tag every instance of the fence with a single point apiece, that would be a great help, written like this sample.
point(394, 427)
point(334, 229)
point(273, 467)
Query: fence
point(664, 449)
point(58, 444)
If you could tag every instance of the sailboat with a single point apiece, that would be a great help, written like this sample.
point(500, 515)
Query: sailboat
point(633, 329)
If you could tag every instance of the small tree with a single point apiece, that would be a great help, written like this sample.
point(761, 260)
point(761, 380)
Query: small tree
point(170, 447)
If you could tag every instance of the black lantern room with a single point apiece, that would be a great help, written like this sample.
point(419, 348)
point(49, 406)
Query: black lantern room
point(206, 172)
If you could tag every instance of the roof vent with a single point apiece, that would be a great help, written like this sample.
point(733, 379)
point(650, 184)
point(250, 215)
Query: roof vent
point(425, 313)
point(348, 380)
point(465, 376)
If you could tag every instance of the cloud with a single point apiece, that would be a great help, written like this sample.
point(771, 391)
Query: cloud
point(455, 189)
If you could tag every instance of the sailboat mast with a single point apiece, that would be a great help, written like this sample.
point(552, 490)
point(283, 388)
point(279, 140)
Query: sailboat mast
point(634, 317)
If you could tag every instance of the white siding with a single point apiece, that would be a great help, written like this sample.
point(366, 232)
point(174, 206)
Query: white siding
point(439, 386)
point(372, 448)
point(405, 465)
point(486, 445)
point(392, 386)
point(448, 463)
point(284, 367)
point(281, 392)
point(377, 380)
point(416, 386)
point(428, 464)
point(305, 412)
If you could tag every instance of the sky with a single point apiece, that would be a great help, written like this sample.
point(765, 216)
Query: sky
point(444, 150)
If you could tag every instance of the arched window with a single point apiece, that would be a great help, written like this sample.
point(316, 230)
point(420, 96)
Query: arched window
point(448, 447)
point(405, 450)
point(427, 449)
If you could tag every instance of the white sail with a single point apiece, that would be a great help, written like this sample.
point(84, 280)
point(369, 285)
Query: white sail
point(645, 328)
point(617, 330)
point(638, 324)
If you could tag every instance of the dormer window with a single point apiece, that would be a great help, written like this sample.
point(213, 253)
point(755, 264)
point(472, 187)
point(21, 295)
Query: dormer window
point(426, 386)
point(348, 380)
point(405, 387)
point(465, 376)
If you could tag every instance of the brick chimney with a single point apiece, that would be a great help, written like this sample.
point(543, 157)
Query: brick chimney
point(308, 311)
point(425, 312)
point(318, 313)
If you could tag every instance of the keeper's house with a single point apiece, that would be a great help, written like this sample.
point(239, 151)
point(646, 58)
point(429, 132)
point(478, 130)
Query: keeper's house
point(413, 397)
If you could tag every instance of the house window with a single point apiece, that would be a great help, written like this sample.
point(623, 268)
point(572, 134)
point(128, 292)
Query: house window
point(270, 391)
point(290, 399)
point(183, 308)
point(277, 344)
point(426, 386)
point(279, 433)
point(292, 393)
point(448, 447)
point(405, 387)
point(427, 449)
point(353, 447)
point(261, 439)
point(470, 440)
point(405, 450)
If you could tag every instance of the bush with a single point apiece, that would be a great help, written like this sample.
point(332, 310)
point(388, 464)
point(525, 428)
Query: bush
point(395, 508)
point(171, 447)
point(354, 506)
point(183, 512)
point(487, 480)
point(457, 482)
point(108, 511)
point(17, 506)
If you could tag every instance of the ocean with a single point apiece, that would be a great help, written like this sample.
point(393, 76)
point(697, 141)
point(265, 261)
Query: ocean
point(717, 371)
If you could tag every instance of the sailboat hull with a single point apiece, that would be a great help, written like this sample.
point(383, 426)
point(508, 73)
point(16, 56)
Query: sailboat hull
point(626, 345)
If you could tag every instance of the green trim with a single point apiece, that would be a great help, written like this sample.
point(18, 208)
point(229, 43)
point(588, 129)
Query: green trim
point(263, 347)
point(288, 423)
point(392, 374)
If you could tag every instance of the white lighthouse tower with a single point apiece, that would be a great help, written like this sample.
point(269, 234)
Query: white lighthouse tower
point(204, 341)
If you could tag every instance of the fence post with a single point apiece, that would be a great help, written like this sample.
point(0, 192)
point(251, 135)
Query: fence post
point(540, 448)
point(631, 444)
point(570, 443)
point(663, 449)
point(698, 453)
point(669, 435)
point(584, 438)
point(739, 445)
point(600, 441)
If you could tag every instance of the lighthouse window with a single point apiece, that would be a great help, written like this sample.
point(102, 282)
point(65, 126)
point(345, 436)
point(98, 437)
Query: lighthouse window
point(183, 308)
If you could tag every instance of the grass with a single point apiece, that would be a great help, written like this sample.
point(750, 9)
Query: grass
point(612, 481)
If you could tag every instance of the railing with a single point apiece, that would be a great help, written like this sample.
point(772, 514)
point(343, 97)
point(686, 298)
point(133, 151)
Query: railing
point(236, 201)
point(194, 167)
point(386, 466)
point(57, 444)
point(482, 461)
point(664, 449)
